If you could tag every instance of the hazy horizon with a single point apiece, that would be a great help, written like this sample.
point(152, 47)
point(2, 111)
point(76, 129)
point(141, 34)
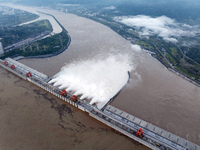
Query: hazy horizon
point(177, 9)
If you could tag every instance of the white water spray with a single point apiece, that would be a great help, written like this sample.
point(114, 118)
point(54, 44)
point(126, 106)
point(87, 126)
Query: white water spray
point(97, 79)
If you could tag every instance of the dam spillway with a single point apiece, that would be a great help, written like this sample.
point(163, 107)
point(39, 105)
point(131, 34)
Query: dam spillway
point(153, 137)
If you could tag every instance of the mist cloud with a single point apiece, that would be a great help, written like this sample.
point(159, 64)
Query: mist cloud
point(163, 26)
point(111, 8)
point(68, 5)
point(98, 79)
point(136, 48)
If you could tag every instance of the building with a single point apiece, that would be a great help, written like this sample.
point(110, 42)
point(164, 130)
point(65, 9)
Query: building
point(1, 49)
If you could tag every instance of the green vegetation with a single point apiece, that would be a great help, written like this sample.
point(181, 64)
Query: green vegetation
point(145, 44)
point(50, 45)
point(39, 47)
point(12, 17)
point(180, 57)
point(172, 56)
point(194, 53)
point(184, 59)
point(15, 34)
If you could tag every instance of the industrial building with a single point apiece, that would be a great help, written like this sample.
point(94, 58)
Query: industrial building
point(1, 49)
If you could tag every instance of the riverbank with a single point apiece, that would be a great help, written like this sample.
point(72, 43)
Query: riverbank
point(38, 48)
point(64, 48)
point(154, 53)
point(175, 71)
point(48, 55)
point(42, 16)
point(152, 91)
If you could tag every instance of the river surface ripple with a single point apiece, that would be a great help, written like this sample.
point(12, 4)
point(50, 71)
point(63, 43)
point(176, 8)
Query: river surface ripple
point(154, 94)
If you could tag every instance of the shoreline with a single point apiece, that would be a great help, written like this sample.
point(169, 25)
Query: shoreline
point(45, 56)
point(49, 55)
point(175, 71)
point(124, 96)
point(55, 25)
point(196, 83)
point(63, 49)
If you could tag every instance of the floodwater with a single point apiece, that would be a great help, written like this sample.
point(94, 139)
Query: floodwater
point(31, 118)
point(154, 94)
point(164, 99)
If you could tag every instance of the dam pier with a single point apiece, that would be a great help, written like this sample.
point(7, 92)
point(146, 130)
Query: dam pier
point(127, 124)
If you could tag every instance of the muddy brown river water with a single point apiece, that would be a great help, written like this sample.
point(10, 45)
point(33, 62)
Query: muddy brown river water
point(31, 118)
point(156, 95)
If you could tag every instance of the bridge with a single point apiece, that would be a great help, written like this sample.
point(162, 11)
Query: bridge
point(127, 124)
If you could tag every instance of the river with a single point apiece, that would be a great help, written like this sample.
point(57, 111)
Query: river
point(31, 118)
point(153, 94)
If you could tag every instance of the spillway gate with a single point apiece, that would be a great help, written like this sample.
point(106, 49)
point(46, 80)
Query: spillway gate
point(153, 137)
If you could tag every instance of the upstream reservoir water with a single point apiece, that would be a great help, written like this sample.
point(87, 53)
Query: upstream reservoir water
point(153, 94)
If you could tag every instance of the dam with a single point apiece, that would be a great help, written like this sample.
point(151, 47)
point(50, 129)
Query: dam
point(127, 124)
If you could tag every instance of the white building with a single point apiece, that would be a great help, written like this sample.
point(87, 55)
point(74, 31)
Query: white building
point(1, 49)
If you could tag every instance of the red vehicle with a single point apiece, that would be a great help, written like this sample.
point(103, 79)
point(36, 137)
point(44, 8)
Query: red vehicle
point(29, 75)
point(12, 67)
point(63, 93)
point(5, 63)
point(139, 133)
point(74, 98)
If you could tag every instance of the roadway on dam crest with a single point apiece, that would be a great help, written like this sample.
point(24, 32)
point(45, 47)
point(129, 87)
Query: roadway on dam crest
point(153, 137)
point(155, 95)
